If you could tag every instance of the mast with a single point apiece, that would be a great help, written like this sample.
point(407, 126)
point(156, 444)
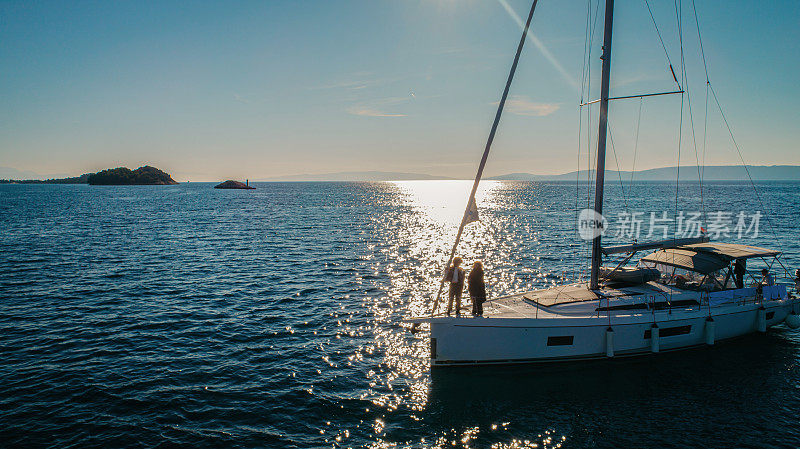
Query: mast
point(601, 138)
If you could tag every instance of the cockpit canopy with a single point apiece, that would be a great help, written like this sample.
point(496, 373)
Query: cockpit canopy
point(702, 266)
point(706, 258)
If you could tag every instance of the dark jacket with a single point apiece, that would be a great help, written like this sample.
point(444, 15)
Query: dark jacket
point(739, 268)
point(477, 288)
point(448, 276)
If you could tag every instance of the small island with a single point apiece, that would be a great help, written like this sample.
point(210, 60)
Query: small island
point(229, 184)
point(146, 175)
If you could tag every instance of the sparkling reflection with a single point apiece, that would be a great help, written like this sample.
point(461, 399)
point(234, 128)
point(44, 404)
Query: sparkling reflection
point(421, 237)
point(273, 319)
point(526, 238)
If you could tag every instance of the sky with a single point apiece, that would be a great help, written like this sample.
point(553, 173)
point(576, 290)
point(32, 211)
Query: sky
point(231, 90)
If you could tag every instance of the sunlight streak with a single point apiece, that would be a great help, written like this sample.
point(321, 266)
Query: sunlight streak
point(549, 56)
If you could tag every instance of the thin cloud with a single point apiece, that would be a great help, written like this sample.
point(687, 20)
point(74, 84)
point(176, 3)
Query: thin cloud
point(357, 81)
point(370, 112)
point(376, 108)
point(451, 50)
point(392, 100)
point(521, 105)
point(349, 85)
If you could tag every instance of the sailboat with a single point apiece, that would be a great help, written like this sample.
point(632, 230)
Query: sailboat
point(682, 293)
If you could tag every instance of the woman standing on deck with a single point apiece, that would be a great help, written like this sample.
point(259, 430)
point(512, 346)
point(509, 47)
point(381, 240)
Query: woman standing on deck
point(477, 288)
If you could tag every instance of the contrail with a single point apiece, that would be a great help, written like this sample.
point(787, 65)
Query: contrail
point(552, 59)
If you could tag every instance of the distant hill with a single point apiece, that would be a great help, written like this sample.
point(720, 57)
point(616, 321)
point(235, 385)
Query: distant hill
point(687, 173)
point(13, 173)
point(146, 175)
point(82, 179)
point(152, 175)
point(357, 176)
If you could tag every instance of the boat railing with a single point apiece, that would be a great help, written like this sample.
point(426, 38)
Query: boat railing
point(707, 300)
point(746, 295)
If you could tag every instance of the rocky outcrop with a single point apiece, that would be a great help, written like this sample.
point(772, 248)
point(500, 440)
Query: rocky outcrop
point(229, 184)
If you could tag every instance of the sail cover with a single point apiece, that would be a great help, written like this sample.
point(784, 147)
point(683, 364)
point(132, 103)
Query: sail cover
point(472, 211)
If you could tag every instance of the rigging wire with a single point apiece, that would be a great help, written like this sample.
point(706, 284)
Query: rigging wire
point(696, 155)
point(669, 61)
point(710, 87)
point(741, 158)
point(680, 126)
point(619, 173)
point(576, 268)
point(685, 79)
point(586, 83)
point(705, 133)
point(708, 84)
point(589, 162)
point(636, 142)
point(702, 50)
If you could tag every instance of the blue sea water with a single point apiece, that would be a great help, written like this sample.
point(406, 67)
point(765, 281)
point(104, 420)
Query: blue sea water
point(160, 316)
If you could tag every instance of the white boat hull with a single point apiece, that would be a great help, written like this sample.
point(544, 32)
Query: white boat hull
point(483, 341)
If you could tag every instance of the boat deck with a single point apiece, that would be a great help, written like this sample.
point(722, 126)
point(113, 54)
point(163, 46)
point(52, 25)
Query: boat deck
point(577, 301)
point(571, 300)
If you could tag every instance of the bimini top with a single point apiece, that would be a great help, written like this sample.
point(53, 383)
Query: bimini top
point(706, 257)
point(732, 250)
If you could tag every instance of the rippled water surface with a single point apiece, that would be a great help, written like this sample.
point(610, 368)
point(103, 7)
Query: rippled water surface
point(183, 315)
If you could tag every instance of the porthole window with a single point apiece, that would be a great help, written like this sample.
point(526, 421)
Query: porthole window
point(565, 340)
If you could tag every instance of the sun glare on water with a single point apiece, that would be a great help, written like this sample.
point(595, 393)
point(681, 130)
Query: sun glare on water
point(444, 202)
point(418, 230)
point(432, 212)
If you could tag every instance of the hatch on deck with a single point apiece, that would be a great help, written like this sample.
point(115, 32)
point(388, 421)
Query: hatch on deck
point(575, 293)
